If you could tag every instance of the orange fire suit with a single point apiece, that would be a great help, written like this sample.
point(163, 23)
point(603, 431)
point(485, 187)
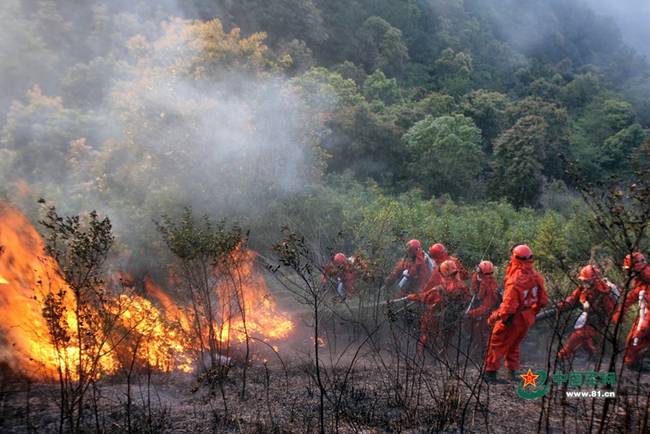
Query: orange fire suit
point(638, 339)
point(436, 277)
point(486, 289)
point(597, 304)
point(524, 295)
point(418, 274)
point(444, 307)
point(343, 277)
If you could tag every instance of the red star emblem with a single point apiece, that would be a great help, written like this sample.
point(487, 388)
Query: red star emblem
point(529, 378)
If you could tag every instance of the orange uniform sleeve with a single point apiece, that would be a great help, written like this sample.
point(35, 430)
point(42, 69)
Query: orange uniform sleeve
point(396, 273)
point(488, 296)
point(511, 302)
point(571, 301)
point(432, 296)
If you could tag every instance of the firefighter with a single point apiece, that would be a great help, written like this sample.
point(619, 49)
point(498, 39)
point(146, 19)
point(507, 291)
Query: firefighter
point(438, 253)
point(444, 305)
point(412, 272)
point(597, 302)
point(524, 295)
point(638, 339)
point(341, 273)
point(485, 290)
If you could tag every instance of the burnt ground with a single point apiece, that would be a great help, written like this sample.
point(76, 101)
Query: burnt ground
point(382, 393)
point(377, 385)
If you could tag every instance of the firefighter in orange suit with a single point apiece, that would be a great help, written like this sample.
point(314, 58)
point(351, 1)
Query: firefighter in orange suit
point(523, 296)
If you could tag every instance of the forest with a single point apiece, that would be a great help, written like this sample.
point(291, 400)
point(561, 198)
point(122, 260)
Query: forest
point(176, 177)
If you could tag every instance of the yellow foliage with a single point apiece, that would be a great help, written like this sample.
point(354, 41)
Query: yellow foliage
point(203, 49)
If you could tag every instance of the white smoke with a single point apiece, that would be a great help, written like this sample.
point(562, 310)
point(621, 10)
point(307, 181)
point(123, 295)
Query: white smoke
point(147, 139)
point(632, 17)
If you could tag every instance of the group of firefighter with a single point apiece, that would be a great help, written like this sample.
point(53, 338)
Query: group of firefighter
point(498, 321)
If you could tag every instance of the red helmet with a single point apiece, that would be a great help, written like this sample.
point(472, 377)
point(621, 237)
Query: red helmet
point(589, 273)
point(413, 246)
point(339, 259)
point(486, 267)
point(522, 252)
point(448, 268)
point(438, 251)
point(636, 261)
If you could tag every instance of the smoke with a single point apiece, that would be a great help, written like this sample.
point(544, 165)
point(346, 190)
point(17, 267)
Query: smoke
point(632, 17)
point(551, 29)
point(154, 116)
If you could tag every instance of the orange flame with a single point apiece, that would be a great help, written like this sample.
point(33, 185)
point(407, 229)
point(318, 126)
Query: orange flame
point(247, 307)
point(27, 275)
point(159, 337)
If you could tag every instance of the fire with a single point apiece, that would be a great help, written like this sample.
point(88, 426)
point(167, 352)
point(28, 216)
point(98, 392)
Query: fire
point(247, 306)
point(27, 275)
point(172, 311)
point(156, 335)
point(153, 339)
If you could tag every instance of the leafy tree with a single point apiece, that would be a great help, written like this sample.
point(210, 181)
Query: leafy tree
point(517, 169)
point(366, 143)
point(551, 244)
point(283, 20)
point(488, 110)
point(547, 89)
point(349, 70)
point(83, 320)
point(201, 248)
point(437, 104)
point(381, 47)
point(326, 90)
point(445, 154)
point(604, 117)
point(618, 149)
point(295, 56)
point(556, 138)
point(453, 71)
point(41, 131)
point(581, 90)
point(377, 86)
point(26, 59)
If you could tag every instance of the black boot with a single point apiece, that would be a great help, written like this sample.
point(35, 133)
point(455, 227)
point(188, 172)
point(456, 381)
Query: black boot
point(490, 377)
point(514, 375)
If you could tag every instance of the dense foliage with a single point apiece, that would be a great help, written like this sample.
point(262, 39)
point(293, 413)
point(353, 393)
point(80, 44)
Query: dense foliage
point(453, 111)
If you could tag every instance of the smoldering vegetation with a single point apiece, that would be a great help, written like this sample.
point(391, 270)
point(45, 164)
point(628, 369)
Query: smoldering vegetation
point(203, 131)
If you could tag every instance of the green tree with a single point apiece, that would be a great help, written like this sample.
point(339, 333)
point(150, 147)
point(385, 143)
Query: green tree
point(488, 110)
point(618, 149)
point(556, 134)
point(365, 142)
point(445, 154)
point(326, 90)
point(551, 244)
point(517, 170)
point(437, 104)
point(40, 131)
point(381, 47)
point(283, 19)
point(378, 86)
point(453, 71)
point(581, 90)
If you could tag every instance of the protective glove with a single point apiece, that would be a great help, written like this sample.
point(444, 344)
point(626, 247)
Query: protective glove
point(413, 297)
